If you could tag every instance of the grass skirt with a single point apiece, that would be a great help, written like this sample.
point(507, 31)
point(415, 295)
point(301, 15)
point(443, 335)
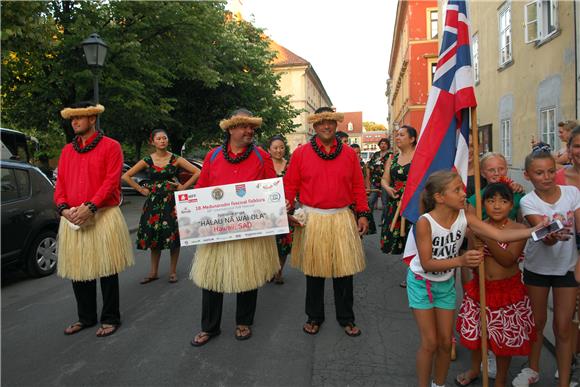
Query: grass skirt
point(510, 323)
point(329, 246)
point(99, 249)
point(235, 266)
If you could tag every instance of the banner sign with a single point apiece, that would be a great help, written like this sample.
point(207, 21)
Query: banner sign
point(234, 211)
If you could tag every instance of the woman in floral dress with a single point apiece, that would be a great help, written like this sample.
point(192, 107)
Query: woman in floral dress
point(366, 176)
point(158, 228)
point(393, 181)
point(277, 149)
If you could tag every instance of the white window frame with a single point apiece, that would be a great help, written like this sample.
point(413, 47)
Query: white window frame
point(475, 59)
point(505, 127)
point(540, 20)
point(505, 35)
point(433, 32)
point(548, 127)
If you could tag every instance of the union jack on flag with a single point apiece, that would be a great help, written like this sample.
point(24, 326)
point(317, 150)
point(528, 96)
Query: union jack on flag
point(444, 138)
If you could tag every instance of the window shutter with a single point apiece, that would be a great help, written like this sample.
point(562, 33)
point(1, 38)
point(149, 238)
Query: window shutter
point(531, 13)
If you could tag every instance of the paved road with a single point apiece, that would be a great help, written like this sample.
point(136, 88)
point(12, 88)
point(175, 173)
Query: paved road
point(152, 347)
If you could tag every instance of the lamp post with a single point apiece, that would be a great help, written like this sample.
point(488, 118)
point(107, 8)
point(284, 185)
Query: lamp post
point(95, 53)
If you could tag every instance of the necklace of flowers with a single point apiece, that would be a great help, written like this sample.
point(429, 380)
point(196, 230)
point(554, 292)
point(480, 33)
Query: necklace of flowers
point(89, 147)
point(239, 159)
point(323, 155)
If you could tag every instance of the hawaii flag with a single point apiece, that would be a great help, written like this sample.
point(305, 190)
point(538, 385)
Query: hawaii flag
point(444, 137)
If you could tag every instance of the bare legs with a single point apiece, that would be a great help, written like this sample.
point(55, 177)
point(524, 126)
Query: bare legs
point(278, 279)
point(435, 327)
point(156, 257)
point(564, 304)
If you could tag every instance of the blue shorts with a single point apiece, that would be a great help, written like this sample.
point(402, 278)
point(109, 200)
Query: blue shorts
point(425, 294)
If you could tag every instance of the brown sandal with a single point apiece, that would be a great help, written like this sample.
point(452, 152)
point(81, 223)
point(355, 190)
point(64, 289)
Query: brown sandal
point(146, 280)
point(75, 328)
point(205, 336)
point(311, 327)
point(107, 330)
point(352, 330)
point(240, 335)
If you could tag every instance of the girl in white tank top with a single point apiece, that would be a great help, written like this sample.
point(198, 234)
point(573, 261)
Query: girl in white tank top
point(430, 282)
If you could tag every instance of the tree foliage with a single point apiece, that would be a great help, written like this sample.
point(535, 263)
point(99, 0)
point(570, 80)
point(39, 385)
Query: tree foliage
point(181, 66)
point(371, 126)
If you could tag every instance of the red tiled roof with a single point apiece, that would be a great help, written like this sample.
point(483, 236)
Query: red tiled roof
point(353, 117)
point(286, 57)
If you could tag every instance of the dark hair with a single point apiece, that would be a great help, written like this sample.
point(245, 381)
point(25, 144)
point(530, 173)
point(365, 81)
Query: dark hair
point(82, 104)
point(412, 132)
point(385, 140)
point(541, 147)
point(355, 146)
point(154, 133)
point(340, 134)
point(277, 137)
point(501, 189)
point(537, 155)
point(436, 183)
point(324, 109)
point(575, 132)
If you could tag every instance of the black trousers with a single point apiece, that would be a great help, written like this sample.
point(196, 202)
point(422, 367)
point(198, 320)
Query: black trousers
point(211, 309)
point(343, 299)
point(86, 295)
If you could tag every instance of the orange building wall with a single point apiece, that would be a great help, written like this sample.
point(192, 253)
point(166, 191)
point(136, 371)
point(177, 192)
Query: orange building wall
point(420, 48)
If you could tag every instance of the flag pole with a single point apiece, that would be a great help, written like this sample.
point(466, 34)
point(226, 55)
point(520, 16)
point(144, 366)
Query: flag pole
point(479, 246)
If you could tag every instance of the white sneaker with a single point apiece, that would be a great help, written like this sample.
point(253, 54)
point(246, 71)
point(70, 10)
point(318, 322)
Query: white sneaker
point(526, 377)
point(433, 384)
point(491, 366)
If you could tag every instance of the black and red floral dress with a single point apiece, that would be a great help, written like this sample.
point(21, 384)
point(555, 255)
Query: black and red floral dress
point(394, 242)
point(158, 227)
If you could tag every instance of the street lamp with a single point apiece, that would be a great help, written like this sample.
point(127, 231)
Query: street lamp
point(95, 53)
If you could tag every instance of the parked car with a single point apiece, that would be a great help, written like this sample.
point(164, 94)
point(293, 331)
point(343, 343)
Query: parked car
point(183, 175)
point(15, 145)
point(29, 219)
point(141, 178)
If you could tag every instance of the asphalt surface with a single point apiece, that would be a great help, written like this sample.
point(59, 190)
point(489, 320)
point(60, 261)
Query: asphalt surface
point(159, 320)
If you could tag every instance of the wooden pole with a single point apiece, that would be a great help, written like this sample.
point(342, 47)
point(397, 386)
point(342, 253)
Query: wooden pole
point(479, 246)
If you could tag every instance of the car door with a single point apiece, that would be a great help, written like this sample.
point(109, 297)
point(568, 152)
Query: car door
point(17, 211)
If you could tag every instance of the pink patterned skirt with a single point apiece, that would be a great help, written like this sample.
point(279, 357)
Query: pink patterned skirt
point(510, 323)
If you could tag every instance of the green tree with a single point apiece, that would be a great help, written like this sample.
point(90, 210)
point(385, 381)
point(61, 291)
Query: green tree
point(181, 66)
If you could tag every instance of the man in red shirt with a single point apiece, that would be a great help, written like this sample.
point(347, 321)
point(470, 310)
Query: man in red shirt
point(327, 176)
point(238, 266)
point(93, 236)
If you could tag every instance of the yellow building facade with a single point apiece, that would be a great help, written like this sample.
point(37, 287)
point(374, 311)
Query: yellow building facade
point(525, 64)
point(301, 84)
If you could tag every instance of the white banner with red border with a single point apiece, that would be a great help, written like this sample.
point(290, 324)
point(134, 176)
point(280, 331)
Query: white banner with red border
point(229, 212)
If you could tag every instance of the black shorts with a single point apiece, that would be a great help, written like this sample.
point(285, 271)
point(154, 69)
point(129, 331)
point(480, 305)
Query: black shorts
point(550, 281)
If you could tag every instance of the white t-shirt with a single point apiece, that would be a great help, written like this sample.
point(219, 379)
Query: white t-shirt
point(561, 257)
point(446, 244)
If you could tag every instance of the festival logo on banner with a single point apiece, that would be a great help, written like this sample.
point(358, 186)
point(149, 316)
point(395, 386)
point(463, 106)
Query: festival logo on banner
point(217, 194)
point(189, 198)
point(241, 190)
